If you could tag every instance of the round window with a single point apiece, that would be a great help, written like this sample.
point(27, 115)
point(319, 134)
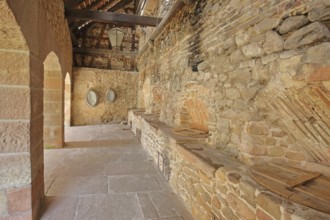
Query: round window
point(92, 97)
point(111, 95)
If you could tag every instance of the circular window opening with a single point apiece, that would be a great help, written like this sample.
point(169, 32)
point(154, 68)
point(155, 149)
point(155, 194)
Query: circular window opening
point(111, 95)
point(92, 98)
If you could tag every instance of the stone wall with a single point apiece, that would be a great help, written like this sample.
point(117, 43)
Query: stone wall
point(212, 185)
point(30, 30)
point(123, 83)
point(259, 68)
point(256, 76)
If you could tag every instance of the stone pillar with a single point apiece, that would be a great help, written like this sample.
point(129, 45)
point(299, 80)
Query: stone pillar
point(53, 103)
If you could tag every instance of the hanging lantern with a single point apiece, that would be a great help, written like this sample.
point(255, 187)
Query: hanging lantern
point(116, 36)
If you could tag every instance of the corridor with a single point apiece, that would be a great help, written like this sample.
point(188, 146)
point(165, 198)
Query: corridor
point(103, 173)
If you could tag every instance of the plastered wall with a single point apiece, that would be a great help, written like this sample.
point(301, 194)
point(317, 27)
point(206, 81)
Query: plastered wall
point(123, 83)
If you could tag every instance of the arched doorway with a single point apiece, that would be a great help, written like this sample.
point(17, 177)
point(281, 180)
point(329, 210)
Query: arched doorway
point(67, 101)
point(53, 102)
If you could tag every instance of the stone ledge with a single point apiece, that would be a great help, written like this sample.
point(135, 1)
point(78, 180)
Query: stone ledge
point(214, 185)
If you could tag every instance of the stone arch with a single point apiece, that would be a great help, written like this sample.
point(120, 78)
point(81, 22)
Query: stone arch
point(67, 100)
point(53, 102)
point(18, 119)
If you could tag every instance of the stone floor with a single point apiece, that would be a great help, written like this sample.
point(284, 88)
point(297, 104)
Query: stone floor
point(104, 173)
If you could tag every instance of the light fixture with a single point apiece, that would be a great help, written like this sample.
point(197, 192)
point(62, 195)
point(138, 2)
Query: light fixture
point(116, 36)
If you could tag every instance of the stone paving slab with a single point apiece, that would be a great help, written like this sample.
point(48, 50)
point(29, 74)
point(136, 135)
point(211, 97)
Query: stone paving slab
point(60, 208)
point(129, 168)
point(105, 207)
point(111, 179)
point(133, 183)
point(70, 186)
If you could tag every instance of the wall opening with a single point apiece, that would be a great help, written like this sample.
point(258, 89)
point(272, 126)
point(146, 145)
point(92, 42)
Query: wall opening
point(67, 101)
point(53, 103)
point(194, 115)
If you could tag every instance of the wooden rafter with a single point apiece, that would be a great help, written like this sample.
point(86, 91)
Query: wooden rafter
point(72, 3)
point(117, 6)
point(103, 51)
point(112, 17)
point(98, 44)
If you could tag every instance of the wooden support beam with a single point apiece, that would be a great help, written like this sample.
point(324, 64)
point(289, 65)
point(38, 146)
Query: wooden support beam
point(72, 3)
point(112, 17)
point(117, 6)
point(103, 51)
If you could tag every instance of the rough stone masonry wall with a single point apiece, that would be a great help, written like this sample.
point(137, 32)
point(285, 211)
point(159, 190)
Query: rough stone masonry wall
point(218, 187)
point(259, 68)
point(123, 83)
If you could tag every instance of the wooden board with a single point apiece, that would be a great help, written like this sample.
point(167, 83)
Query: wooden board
point(190, 132)
point(304, 187)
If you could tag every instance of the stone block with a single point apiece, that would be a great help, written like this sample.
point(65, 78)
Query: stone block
point(216, 203)
point(292, 23)
point(54, 83)
point(53, 107)
point(255, 150)
point(249, 93)
point(242, 39)
point(233, 178)
point(15, 170)
point(269, 58)
point(261, 215)
point(270, 204)
point(319, 10)
point(15, 103)
point(257, 128)
point(53, 95)
point(232, 94)
point(293, 155)
point(14, 68)
point(273, 43)
point(275, 151)
point(229, 214)
point(19, 200)
point(243, 76)
point(241, 209)
point(14, 137)
point(12, 38)
point(318, 54)
point(266, 25)
point(307, 35)
point(3, 203)
point(247, 188)
point(236, 56)
point(252, 50)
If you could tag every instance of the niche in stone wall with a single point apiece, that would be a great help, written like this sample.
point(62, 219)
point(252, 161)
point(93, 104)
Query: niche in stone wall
point(194, 114)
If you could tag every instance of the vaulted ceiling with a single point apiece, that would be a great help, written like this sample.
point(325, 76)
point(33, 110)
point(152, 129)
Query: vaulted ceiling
point(89, 23)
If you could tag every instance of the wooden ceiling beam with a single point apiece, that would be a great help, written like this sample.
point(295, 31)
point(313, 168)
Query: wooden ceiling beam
point(112, 17)
point(103, 51)
point(119, 5)
point(72, 3)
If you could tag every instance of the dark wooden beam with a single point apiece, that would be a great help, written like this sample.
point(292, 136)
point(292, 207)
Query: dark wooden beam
point(102, 7)
point(72, 3)
point(103, 51)
point(112, 17)
point(117, 6)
